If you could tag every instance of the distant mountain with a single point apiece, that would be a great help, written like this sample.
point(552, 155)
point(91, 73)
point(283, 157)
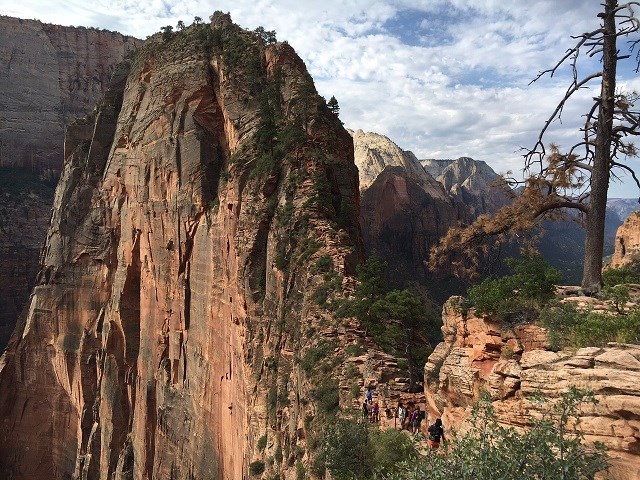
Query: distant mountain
point(472, 181)
point(402, 224)
point(623, 206)
point(373, 153)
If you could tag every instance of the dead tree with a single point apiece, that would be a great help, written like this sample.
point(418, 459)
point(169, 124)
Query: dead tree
point(578, 178)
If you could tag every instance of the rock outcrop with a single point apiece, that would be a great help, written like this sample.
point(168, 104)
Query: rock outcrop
point(164, 337)
point(627, 243)
point(49, 76)
point(513, 363)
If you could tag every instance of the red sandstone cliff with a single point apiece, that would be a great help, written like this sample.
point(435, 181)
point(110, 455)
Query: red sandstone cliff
point(627, 244)
point(49, 76)
point(164, 336)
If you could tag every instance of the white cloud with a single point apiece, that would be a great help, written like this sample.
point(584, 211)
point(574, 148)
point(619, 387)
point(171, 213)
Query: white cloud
point(452, 82)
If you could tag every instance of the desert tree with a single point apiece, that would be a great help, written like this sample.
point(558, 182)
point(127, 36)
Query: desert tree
point(333, 105)
point(555, 180)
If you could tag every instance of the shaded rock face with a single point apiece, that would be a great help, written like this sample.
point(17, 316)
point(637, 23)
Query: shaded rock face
point(511, 364)
point(49, 76)
point(627, 243)
point(401, 221)
point(176, 274)
point(25, 209)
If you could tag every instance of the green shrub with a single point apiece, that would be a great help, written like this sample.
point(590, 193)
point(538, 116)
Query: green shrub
point(569, 327)
point(324, 264)
point(347, 450)
point(618, 295)
point(351, 371)
point(262, 442)
point(315, 355)
point(354, 350)
point(389, 448)
point(301, 472)
point(629, 273)
point(278, 455)
point(256, 468)
point(519, 295)
point(327, 395)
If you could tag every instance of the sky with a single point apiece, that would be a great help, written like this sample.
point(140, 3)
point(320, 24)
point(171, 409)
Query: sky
point(442, 78)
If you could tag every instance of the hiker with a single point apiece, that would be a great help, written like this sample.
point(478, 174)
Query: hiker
point(402, 413)
point(376, 412)
point(369, 395)
point(416, 419)
point(365, 411)
point(436, 434)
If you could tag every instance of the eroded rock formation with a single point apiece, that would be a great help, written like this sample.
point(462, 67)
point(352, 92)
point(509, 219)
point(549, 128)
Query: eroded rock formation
point(627, 243)
point(512, 363)
point(49, 76)
point(163, 338)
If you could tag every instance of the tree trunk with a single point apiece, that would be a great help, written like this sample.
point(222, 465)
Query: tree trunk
point(594, 243)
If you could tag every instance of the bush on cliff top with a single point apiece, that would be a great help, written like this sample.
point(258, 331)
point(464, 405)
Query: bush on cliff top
point(569, 327)
point(525, 291)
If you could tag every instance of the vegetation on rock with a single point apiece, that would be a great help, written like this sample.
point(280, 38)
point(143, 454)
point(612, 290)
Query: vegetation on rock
point(553, 447)
point(520, 295)
point(398, 320)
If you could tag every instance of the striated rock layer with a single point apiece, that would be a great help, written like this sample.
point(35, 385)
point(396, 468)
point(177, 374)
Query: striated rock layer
point(162, 339)
point(50, 76)
point(513, 363)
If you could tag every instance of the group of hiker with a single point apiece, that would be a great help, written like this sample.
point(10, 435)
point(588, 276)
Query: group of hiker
point(409, 418)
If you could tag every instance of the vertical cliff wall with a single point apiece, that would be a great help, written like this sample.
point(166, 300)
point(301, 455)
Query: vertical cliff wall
point(49, 76)
point(174, 299)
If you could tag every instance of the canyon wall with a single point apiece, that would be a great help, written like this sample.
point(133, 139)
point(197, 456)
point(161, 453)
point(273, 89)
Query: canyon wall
point(49, 76)
point(164, 336)
point(513, 363)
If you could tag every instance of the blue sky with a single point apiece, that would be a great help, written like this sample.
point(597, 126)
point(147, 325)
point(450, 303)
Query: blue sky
point(443, 78)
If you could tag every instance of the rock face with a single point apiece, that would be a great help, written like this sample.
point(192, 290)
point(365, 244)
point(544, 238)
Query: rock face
point(373, 153)
point(163, 337)
point(473, 182)
point(627, 243)
point(25, 209)
point(49, 76)
point(513, 363)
